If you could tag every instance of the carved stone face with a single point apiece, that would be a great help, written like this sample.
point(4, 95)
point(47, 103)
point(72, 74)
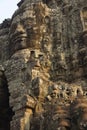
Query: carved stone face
point(27, 27)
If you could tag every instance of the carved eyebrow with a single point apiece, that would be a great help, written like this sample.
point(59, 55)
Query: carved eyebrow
point(29, 24)
point(28, 19)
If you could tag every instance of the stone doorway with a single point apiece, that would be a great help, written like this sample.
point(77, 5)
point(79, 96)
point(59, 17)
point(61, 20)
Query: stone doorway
point(6, 112)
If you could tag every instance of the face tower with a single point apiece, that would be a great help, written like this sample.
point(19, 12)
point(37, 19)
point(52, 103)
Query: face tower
point(43, 52)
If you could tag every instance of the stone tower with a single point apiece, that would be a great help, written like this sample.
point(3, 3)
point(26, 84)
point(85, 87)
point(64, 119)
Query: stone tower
point(43, 66)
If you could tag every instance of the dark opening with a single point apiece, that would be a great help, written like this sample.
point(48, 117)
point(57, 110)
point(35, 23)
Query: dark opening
point(6, 112)
point(32, 54)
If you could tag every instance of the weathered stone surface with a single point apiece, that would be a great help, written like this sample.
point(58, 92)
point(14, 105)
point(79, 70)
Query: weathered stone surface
point(43, 66)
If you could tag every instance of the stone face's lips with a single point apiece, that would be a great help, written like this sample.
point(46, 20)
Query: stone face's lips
point(18, 41)
point(18, 37)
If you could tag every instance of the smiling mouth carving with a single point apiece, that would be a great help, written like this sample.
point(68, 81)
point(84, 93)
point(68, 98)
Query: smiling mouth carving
point(17, 41)
point(19, 36)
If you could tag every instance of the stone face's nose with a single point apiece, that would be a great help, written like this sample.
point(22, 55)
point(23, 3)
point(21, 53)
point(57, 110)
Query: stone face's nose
point(19, 29)
point(18, 38)
point(16, 30)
